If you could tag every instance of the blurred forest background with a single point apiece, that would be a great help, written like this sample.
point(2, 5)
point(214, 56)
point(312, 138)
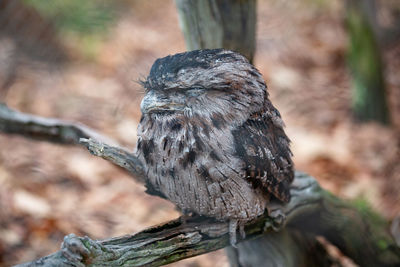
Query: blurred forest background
point(81, 60)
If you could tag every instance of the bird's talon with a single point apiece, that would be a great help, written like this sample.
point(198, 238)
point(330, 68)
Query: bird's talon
point(279, 219)
point(233, 224)
point(242, 232)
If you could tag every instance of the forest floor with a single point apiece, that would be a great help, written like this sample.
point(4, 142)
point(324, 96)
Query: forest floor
point(48, 191)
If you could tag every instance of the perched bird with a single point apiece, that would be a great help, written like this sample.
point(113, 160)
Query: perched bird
point(209, 138)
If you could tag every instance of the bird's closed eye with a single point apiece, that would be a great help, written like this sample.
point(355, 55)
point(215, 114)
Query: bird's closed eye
point(195, 91)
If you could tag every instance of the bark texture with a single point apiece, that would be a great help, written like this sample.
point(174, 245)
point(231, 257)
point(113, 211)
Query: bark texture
point(46, 129)
point(359, 234)
point(229, 24)
point(68, 133)
point(312, 211)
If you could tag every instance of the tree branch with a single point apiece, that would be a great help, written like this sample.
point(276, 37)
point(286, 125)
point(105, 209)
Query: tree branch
point(46, 129)
point(360, 235)
point(69, 133)
point(177, 240)
point(116, 155)
point(169, 242)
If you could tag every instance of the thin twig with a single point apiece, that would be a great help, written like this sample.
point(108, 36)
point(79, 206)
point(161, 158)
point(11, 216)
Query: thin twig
point(116, 155)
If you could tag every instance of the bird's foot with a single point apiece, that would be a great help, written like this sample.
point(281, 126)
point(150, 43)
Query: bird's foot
point(277, 216)
point(221, 228)
point(241, 231)
point(234, 225)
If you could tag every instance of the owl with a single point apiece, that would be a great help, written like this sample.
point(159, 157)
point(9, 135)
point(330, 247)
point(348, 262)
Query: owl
point(210, 139)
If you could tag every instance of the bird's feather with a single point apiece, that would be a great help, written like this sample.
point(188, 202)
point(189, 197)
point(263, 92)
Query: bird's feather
point(210, 139)
point(263, 146)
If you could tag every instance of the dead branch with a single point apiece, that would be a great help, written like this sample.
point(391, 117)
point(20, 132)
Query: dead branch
point(46, 129)
point(116, 155)
point(311, 210)
point(174, 240)
point(69, 133)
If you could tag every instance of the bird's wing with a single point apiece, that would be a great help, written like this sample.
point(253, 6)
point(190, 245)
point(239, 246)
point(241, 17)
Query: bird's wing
point(264, 147)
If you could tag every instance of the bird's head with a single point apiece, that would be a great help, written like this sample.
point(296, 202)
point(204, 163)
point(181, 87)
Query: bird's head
point(203, 83)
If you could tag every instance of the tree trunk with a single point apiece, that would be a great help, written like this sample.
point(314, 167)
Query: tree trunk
point(368, 90)
point(229, 24)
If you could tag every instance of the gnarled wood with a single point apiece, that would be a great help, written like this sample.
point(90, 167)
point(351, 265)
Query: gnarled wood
point(312, 211)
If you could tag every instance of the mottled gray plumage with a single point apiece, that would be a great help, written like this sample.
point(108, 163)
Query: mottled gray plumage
point(210, 139)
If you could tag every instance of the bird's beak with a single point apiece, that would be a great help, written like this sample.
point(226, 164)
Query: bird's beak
point(157, 103)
